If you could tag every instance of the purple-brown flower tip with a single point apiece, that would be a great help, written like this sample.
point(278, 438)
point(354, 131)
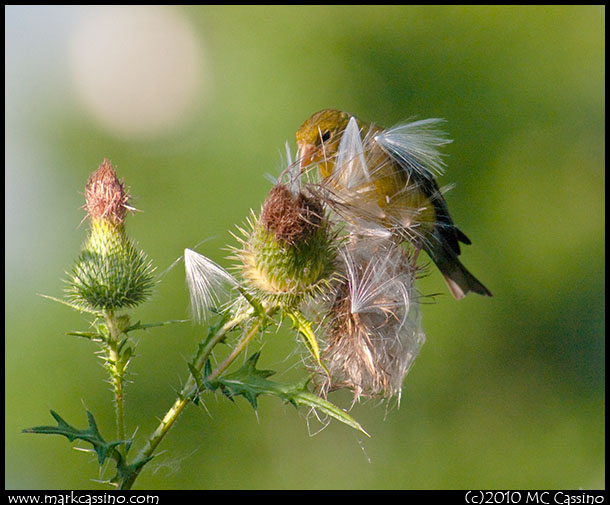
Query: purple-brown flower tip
point(105, 195)
point(292, 219)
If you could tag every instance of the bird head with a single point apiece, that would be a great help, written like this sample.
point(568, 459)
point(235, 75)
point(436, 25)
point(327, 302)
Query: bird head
point(318, 139)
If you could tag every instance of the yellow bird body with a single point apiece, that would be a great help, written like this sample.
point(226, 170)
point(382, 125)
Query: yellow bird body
point(396, 179)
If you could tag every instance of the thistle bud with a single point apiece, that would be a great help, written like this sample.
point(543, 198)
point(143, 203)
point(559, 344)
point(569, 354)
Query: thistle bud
point(110, 272)
point(289, 249)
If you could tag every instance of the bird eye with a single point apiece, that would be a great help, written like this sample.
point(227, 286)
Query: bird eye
point(325, 136)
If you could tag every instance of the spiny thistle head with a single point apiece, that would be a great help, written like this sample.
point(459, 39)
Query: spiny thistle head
point(110, 272)
point(373, 332)
point(289, 250)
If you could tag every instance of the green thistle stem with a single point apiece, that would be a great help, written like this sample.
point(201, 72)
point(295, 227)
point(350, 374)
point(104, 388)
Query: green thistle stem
point(205, 351)
point(190, 389)
point(240, 346)
point(116, 370)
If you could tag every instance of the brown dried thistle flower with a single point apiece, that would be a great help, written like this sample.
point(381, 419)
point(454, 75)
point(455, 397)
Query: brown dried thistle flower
point(292, 219)
point(105, 195)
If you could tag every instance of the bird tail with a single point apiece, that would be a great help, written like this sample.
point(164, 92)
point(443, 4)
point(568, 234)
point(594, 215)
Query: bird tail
point(459, 280)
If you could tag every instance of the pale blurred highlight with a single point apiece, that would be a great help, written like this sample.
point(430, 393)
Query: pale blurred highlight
point(139, 71)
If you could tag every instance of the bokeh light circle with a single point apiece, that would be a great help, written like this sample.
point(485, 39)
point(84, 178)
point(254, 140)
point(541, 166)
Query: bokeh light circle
point(138, 70)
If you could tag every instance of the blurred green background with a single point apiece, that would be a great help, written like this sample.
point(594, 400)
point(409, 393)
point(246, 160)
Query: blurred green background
point(194, 105)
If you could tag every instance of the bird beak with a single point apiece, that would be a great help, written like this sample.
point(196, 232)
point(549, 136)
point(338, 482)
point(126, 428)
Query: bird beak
point(305, 154)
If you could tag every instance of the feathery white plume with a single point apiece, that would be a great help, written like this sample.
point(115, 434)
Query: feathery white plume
point(375, 330)
point(414, 145)
point(206, 282)
point(350, 166)
point(378, 285)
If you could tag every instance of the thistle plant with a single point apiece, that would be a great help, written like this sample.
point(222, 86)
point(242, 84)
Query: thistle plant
point(314, 258)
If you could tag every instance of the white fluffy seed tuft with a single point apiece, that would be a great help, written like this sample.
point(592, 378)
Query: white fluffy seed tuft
point(207, 283)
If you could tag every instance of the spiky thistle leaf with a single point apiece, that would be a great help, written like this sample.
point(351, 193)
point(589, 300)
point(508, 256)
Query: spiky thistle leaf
point(251, 383)
point(90, 435)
